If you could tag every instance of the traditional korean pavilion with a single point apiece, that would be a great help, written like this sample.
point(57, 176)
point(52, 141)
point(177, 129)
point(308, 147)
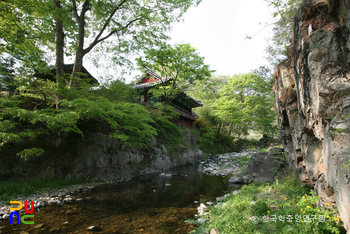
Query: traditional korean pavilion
point(182, 103)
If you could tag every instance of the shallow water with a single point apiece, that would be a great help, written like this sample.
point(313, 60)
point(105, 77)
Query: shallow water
point(146, 204)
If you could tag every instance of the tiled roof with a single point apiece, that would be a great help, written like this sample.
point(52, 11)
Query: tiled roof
point(160, 80)
point(194, 101)
point(68, 69)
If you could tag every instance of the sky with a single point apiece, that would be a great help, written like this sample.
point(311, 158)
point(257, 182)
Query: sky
point(218, 30)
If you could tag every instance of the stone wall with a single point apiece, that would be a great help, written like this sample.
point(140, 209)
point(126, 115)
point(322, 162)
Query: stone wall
point(96, 156)
point(312, 89)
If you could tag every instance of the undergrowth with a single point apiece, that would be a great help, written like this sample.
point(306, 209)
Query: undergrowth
point(284, 207)
point(169, 133)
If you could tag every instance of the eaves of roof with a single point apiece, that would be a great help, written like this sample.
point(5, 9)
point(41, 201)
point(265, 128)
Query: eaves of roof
point(162, 79)
point(69, 68)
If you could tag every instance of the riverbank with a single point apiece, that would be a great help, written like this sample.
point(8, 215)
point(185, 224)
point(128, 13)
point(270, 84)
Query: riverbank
point(49, 196)
point(285, 206)
point(275, 201)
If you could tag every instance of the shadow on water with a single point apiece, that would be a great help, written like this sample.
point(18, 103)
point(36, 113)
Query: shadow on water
point(146, 204)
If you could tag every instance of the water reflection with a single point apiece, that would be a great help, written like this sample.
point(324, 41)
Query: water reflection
point(145, 204)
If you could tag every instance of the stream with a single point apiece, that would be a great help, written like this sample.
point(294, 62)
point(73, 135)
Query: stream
point(145, 204)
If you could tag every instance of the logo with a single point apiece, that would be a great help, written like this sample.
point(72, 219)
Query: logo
point(23, 216)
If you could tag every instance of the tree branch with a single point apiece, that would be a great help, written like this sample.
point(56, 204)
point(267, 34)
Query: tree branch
point(95, 42)
point(97, 39)
point(85, 7)
point(75, 11)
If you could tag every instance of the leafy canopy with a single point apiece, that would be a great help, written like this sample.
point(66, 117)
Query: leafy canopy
point(246, 102)
point(27, 31)
point(180, 67)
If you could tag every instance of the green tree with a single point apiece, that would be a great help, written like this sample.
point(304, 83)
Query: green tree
point(180, 67)
point(245, 102)
point(76, 28)
point(119, 27)
point(208, 91)
point(26, 32)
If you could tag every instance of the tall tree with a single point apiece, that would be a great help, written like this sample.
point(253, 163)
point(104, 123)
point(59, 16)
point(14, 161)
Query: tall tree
point(60, 81)
point(208, 90)
point(121, 27)
point(118, 28)
point(180, 66)
point(245, 103)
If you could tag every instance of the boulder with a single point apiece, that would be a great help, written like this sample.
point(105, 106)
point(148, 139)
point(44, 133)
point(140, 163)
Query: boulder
point(264, 166)
point(235, 180)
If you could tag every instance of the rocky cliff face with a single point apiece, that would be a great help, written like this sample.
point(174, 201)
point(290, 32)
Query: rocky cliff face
point(96, 156)
point(312, 90)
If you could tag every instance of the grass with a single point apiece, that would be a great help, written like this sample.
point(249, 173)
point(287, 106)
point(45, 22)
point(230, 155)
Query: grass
point(241, 161)
point(284, 207)
point(10, 190)
point(263, 150)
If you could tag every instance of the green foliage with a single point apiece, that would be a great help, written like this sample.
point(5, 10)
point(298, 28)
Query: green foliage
point(346, 165)
point(260, 208)
point(246, 102)
point(207, 115)
point(26, 31)
point(170, 133)
point(207, 139)
point(192, 221)
point(130, 123)
point(29, 152)
point(18, 124)
point(180, 67)
point(181, 63)
point(116, 90)
point(114, 28)
point(245, 212)
point(7, 76)
point(40, 92)
point(263, 150)
point(211, 142)
point(10, 190)
point(130, 162)
point(241, 161)
point(208, 90)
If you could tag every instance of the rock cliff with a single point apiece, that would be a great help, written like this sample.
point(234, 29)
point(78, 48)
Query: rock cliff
point(312, 89)
point(97, 156)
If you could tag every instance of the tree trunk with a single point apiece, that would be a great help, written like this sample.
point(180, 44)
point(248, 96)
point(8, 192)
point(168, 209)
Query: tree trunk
point(78, 63)
point(59, 51)
point(230, 128)
point(219, 128)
